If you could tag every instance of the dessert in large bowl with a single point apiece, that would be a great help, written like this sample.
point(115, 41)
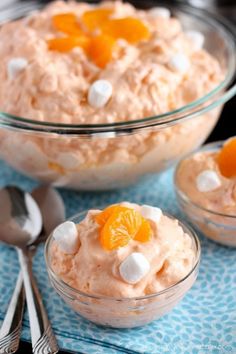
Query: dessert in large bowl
point(123, 266)
point(95, 97)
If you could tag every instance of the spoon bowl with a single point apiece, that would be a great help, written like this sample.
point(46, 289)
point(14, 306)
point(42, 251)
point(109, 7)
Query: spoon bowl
point(52, 209)
point(21, 220)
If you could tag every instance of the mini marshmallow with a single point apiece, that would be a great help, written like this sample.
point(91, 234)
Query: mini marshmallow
point(68, 160)
point(66, 236)
point(160, 12)
point(179, 62)
point(197, 39)
point(99, 93)
point(207, 181)
point(105, 135)
point(15, 66)
point(134, 268)
point(151, 213)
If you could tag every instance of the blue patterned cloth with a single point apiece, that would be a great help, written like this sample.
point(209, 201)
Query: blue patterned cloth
point(204, 322)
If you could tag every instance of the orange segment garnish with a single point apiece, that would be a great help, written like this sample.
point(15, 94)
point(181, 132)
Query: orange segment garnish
point(120, 224)
point(101, 50)
point(56, 168)
point(227, 159)
point(101, 47)
point(66, 44)
point(102, 217)
point(66, 23)
point(131, 29)
point(145, 232)
point(120, 228)
point(95, 18)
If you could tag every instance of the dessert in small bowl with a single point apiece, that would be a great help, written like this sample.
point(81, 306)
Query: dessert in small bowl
point(95, 97)
point(123, 266)
point(205, 184)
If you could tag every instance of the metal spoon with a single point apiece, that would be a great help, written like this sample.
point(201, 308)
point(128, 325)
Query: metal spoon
point(52, 209)
point(49, 200)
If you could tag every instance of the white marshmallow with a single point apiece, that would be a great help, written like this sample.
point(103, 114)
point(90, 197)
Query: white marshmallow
point(179, 62)
point(197, 39)
point(105, 135)
point(151, 213)
point(134, 268)
point(15, 66)
point(160, 12)
point(207, 181)
point(66, 236)
point(99, 93)
point(68, 160)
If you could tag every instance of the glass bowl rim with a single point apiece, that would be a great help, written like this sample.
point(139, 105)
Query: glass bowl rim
point(187, 111)
point(190, 231)
point(183, 196)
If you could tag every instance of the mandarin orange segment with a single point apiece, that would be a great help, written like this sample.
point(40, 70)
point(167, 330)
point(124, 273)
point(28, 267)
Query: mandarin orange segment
point(56, 168)
point(83, 42)
point(66, 23)
point(227, 159)
point(101, 50)
point(120, 228)
point(131, 29)
point(102, 217)
point(64, 17)
point(95, 18)
point(66, 44)
point(145, 232)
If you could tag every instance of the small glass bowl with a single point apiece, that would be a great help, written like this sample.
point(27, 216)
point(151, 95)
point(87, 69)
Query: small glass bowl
point(217, 226)
point(123, 312)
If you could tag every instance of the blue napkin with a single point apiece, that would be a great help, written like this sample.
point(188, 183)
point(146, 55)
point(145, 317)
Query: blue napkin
point(204, 322)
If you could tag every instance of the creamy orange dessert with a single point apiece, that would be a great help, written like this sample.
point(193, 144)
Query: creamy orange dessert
point(208, 179)
point(124, 251)
point(51, 60)
point(76, 63)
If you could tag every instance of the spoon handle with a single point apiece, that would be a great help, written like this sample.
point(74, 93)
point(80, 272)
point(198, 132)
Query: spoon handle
point(11, 327)
point(43, 339)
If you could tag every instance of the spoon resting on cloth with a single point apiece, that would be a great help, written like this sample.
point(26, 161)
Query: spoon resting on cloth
point(53, 213)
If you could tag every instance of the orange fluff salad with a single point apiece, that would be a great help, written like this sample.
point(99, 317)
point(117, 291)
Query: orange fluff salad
point(74, 63)
point(206, 188)
point(126, 250)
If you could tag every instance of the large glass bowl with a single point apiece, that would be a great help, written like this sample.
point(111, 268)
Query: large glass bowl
point(107, 156)
point(124, 312)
